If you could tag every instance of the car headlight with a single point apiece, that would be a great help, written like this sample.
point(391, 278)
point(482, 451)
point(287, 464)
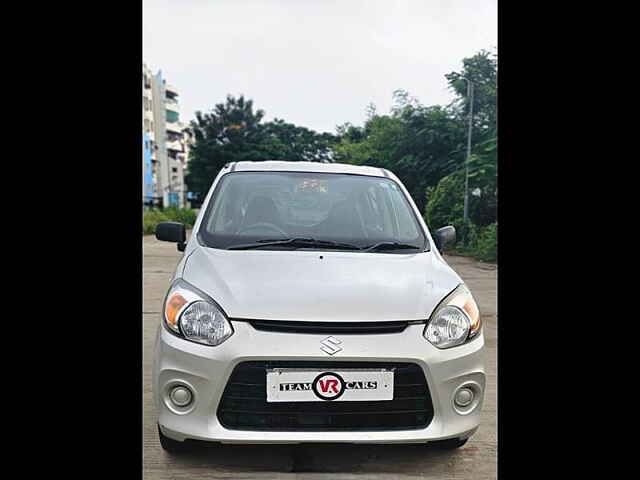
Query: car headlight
point(193, 315)
point(455, 321)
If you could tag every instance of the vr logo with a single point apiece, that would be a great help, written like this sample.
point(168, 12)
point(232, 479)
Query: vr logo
point(328, 386)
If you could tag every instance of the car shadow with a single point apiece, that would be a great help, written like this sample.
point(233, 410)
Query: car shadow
point(325, 457)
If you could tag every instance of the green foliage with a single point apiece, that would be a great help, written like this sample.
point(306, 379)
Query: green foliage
point(289, 142)
point(370, 145)
point(183, 215)
point(233, 132)
point(444, 206)
point(151, 218)
point(419, 144)
point(487, 244)
point(425, 146)
point(483, 180)
point(482, 70)
point(481, 243)
point(445, 202)
point(228, 133)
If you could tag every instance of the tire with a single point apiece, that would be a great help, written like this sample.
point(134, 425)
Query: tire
point(172, 446)
point(451, 443)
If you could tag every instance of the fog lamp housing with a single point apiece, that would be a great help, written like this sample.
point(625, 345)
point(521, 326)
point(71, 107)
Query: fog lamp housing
point(181, 396)
point(464, 396)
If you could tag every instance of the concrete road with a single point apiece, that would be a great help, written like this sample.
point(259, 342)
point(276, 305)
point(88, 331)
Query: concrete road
point(476, 460)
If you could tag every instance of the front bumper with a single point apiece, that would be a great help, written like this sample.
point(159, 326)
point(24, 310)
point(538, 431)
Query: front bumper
point(207, 369)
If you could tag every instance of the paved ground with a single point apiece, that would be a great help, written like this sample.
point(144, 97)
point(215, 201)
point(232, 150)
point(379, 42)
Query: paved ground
point(476, 460)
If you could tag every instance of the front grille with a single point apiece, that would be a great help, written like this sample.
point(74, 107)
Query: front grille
point(329, 328)
point(244, 402)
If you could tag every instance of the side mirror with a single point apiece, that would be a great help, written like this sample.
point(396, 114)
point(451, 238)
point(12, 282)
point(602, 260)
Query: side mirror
point(172, 232)
point(444, 236)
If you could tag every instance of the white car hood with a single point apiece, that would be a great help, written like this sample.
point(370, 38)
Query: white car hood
point(320, 285)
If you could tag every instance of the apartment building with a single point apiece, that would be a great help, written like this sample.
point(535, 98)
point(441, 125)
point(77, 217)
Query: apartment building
point(168, 143)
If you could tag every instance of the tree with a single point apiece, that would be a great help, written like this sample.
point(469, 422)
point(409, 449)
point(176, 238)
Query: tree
point(425, 146)
point(483, 178)
point(482, 70)
point(429, 147)
point(419, 144)
point(233, 132)
point(229, 133)
point(289, 142)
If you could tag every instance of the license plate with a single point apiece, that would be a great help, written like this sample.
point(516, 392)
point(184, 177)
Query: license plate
point(301, 385)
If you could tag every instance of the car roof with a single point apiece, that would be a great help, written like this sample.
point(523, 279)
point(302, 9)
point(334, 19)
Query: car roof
point(317, 167)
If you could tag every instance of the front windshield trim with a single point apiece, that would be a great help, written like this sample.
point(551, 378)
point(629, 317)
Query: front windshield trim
point(201, 234)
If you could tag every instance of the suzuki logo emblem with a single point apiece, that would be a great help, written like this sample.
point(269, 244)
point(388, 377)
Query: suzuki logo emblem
point(330, 345)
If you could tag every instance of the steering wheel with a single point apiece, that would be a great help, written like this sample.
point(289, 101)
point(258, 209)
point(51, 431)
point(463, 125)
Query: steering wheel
point(263, 225)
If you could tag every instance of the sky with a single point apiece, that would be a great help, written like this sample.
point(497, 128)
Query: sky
point(314, 63)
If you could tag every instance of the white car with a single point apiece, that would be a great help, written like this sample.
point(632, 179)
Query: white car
point(312, 305)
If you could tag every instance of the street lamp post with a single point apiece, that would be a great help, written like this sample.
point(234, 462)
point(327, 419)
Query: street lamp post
point(466, 178)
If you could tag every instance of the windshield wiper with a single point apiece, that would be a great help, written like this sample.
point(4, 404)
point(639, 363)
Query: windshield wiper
point(298, 242)
point(390, 246)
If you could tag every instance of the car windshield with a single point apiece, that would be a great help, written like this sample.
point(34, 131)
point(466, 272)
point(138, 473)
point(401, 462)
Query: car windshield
point(310, 210)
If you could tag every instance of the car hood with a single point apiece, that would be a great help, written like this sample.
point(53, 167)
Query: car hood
point(321, 285)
